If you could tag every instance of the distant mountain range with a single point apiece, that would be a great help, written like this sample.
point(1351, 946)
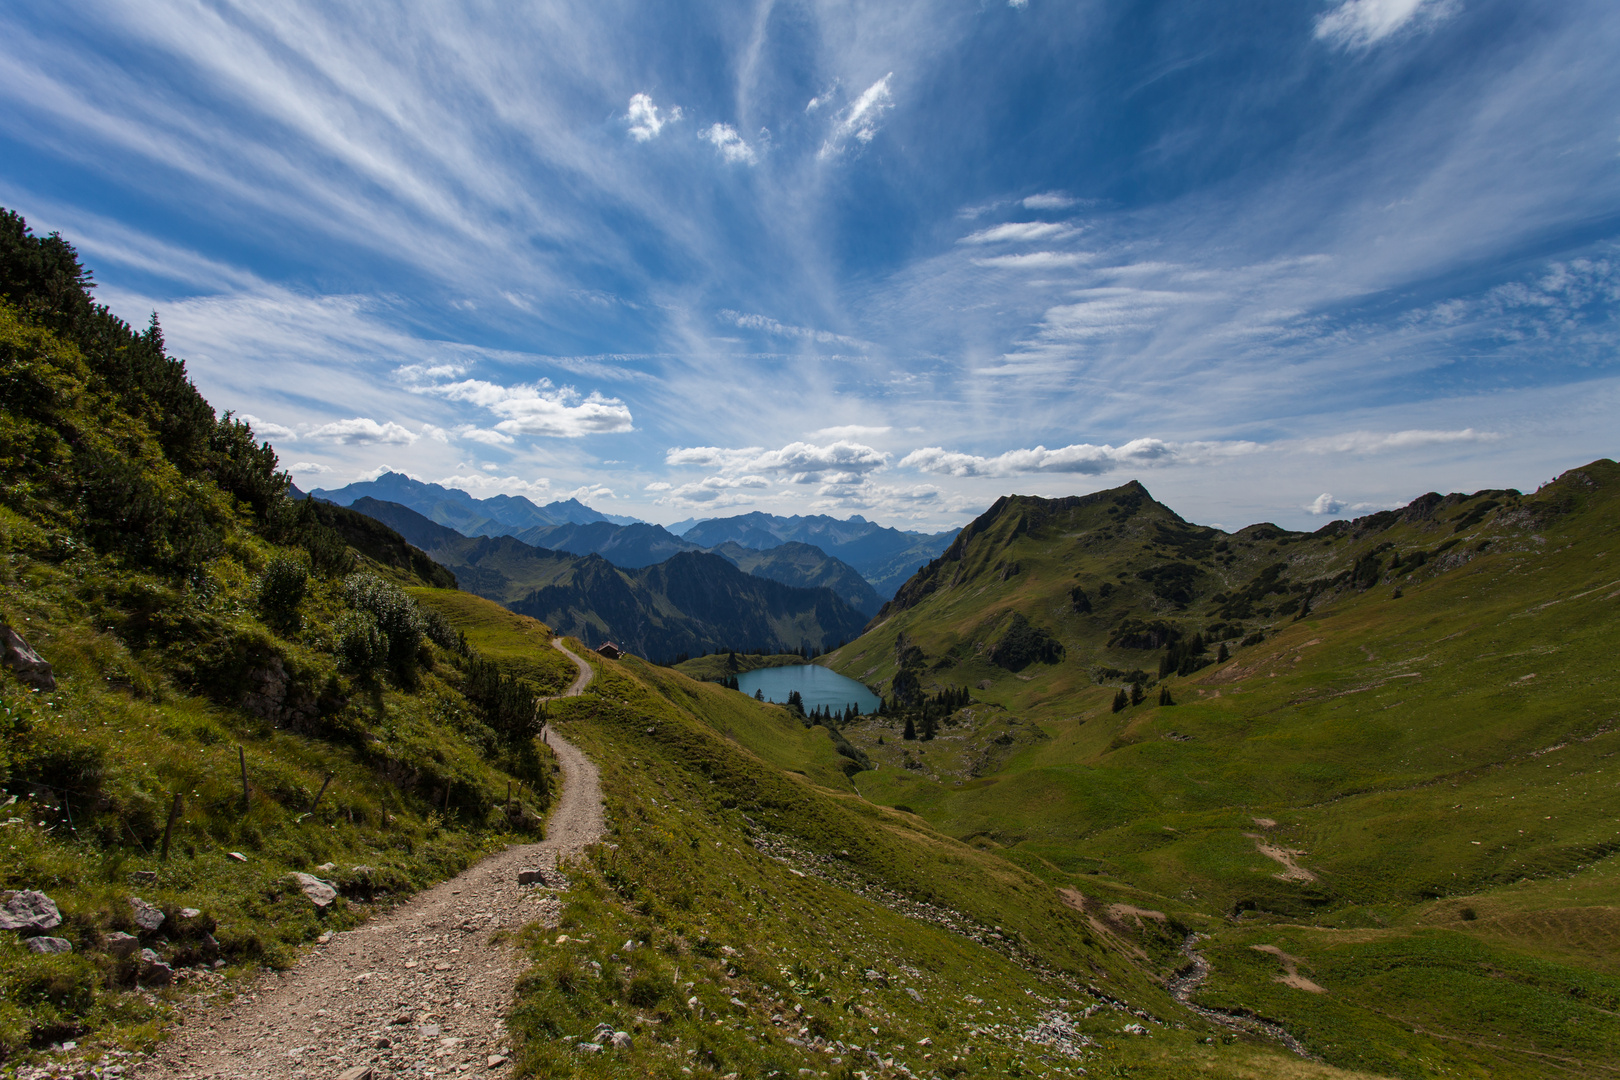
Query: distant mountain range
point(881, 557)
point(691, 602)
point(499, 515)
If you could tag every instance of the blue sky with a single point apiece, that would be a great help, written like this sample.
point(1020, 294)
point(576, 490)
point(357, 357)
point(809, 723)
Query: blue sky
point(1278, 260)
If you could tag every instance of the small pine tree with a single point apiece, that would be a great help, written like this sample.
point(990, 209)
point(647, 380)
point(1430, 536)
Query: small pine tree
point(929, 726)
point(1222, 655)
point(1121, 700)
point(911, 730)
point(1136, 693)
point(759, 695)
point(1164, 696)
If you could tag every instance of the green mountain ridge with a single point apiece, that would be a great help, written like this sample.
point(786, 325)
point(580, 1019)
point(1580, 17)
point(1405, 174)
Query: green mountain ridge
point(1383, 750)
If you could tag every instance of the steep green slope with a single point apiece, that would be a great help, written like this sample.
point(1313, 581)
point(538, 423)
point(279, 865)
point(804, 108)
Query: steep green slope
point(1402, 781)
point(203, 633)
point(749, 915)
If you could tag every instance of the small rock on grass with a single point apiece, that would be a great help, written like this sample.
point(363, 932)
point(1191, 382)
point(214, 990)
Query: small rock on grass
point(154, 972)
point(122, 944)
point(48, 945)
point(147, 916)
point(20, 657)
point(319, 892)
point(29, 910)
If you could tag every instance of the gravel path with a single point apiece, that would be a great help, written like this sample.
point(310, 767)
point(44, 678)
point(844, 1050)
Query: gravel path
point(421, 991)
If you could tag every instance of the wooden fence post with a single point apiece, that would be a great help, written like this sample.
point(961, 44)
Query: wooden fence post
point(318, 794)
point(168, 830)
point(241, 756)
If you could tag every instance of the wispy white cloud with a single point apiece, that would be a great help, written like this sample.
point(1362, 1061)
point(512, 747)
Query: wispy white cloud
point(309, 468)
point(850, 431)
point(1375, 442)
point(1084, 458)
point(487, 436)
point(644, 119)
point(769, 325)
point(1048, 200)
point(363, 431)
point(860, 121)
point(1357, 24)
point(731, 146)
point(1038, 260)
point(1014, 231)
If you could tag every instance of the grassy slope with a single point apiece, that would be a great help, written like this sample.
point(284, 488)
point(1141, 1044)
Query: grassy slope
point(156, 648)
point(522, 645)
point(1442, 763)
point(761, 891)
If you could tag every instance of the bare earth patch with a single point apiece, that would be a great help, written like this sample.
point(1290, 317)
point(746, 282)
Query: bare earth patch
point(1290, 975)
point(1291, 870)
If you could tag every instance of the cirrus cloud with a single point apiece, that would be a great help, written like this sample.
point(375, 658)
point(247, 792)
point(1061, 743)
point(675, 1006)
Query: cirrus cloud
point(1084, 458)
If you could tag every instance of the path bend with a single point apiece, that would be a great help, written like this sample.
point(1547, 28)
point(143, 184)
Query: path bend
point(418, 990)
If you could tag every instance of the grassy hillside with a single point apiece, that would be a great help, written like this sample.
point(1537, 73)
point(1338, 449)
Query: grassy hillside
point(201, 628)
point(776, 922)
point(1399, 790)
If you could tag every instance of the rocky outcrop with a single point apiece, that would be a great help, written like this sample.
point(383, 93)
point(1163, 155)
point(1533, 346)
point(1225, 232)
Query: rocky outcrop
point(20, 657)
point(29, 910)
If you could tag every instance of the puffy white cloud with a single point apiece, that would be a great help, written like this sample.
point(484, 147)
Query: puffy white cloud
point(484, 486)
point(1013, 231)
point(264, 429)
point(540, 408)
point(484, 435)
point(731, 146)
point(309, 468)
point(1083, 458)
point(657, 485)
point(1375, 442)
point(437, 434)
point(643, 118)
point(364, 431)
point(798, 462)
point(860, 120)
point(716, 491)
point(1356, 24)
point(1325, 504)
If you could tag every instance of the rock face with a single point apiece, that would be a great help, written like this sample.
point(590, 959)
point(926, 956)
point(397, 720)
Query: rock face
point(154, 972)
point(121, 944)
point(20, 657)
point(273, 696)
point(29, 910)
point(147, 916)
point(320, 893)
point(48, 945)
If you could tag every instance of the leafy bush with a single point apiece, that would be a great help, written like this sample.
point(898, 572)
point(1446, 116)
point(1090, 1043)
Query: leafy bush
point(361, 644)
point(281, 588)
point(396, 614)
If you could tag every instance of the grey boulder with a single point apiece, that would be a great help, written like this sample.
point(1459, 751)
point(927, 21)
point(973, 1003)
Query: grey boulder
point(29, 910)
point(147, 916)
point(154, 972)
point(48, 945)
point(320, 893)
point(120, 944)
point(20, 657)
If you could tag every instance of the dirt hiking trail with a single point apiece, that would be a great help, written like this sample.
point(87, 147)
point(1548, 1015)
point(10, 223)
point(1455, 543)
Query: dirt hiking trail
point(418, 991)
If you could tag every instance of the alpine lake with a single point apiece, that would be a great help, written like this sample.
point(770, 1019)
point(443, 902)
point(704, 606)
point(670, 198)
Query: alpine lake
point(818, 686)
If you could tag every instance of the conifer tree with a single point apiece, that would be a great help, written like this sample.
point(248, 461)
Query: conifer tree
point(1121, 700)
point(1164, 696)
point(1136, 693)
point(910, 732)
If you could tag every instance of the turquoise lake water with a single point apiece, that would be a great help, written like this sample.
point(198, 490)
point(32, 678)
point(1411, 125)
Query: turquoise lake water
point(819, 687)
